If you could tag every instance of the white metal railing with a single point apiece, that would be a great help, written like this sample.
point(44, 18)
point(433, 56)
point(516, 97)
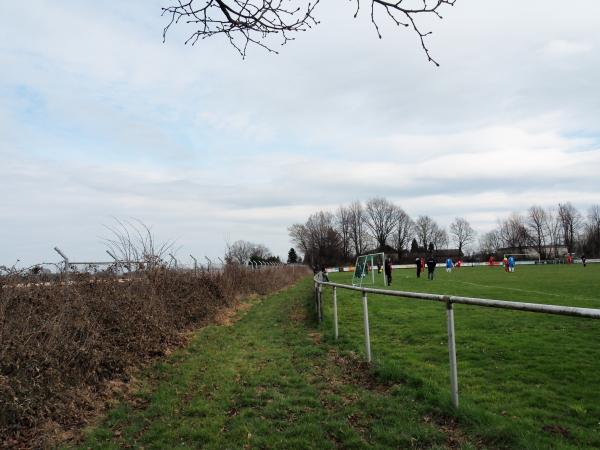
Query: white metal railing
point(449, 300)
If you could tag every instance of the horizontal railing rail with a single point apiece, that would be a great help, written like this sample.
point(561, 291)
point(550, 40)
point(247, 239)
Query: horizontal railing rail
point(449, 301)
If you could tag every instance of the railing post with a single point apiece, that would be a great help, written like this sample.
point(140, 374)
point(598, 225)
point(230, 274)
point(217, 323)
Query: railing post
point(320, 306)
point(452, 354)
point(366, 323)
point(66, 260)
point(195, 265)
point(335, 315)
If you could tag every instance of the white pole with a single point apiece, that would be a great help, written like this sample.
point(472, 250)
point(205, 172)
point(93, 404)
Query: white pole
point(335, 312)
point(384, 275)
point(320, 309)
point(316, 298)
point(372, 272)
point(366, 323)
point(452, 355)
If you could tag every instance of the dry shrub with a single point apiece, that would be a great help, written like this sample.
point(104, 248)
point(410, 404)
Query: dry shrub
point(63, 338)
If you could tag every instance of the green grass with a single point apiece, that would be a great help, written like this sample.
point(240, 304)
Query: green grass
point(268, 381)
point(525, 380)
point(275, 379)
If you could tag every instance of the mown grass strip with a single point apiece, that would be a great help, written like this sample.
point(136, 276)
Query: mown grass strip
point(268, 381)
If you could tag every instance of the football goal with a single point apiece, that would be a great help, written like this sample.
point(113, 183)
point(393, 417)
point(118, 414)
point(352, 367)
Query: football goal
point(368, 270)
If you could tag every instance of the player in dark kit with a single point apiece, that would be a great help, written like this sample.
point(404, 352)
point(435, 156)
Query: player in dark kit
point(418, 263)
point(430, 267)
point(388, 271)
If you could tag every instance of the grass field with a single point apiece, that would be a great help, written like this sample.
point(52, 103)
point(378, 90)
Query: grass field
point(268, 381)
point(525, 380)
point(274, 379)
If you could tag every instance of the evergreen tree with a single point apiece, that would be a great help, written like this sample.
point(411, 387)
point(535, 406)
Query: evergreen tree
point(292, 256)
point(414, 246)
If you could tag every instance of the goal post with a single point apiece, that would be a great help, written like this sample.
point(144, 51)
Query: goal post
point(366, 267)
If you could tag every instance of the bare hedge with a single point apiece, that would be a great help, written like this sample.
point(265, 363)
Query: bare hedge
point(59, 339)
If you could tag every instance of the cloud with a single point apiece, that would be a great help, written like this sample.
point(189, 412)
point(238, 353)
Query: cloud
point(562, 47)
point(98, 118)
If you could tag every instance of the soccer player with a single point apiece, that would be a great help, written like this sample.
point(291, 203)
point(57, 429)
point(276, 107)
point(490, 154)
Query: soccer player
point(449, 265)
point(430, 267)
point(358, 271)
point(388, 271)
point(511, 263)
point(583, 259)
point(418, 263)
point(505, 264)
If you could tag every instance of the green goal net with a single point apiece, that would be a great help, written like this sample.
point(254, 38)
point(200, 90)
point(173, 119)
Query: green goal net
point(369, 270)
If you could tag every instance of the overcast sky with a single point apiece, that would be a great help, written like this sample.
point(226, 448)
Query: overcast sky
point(100, 118)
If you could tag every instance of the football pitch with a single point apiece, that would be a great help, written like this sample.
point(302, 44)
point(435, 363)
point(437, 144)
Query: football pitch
point(525, 380)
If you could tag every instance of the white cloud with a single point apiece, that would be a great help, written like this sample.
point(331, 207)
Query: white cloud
point(208, 147)
point(562, 47)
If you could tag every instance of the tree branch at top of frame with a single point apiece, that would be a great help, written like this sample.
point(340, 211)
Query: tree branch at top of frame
point(257, 22)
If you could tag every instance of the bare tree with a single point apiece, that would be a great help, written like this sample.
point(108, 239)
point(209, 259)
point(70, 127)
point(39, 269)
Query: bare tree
point(570, 221)
point(404, 231)
point(133, 240)
point(553, 229)
point(536, 227)
point(358, 233)
point(246, 22)
point(424, 228)
point(490, 242)
point(300, 236)
point(343, 225)
point(239, 252)
point(593, 231)
point(439, 237)
point(318, 238)
point(382, 219)
point(260, 252)
point(462, 232)
point(513, 232)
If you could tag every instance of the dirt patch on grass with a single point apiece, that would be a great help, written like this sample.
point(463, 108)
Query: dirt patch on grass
point(354, 370)
point(556, 430)
point(228, 316)
point(455, 437)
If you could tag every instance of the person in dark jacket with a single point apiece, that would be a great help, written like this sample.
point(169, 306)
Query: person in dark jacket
point(324, 276)
point(418, 263)
point(430, 267)
point(388, 271)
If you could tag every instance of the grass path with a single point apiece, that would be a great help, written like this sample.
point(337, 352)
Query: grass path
point(267, 381)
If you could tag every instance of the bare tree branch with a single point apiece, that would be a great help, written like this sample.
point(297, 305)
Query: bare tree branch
point(246, 22)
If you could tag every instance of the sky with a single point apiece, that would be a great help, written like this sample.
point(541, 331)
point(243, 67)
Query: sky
point(101, 119)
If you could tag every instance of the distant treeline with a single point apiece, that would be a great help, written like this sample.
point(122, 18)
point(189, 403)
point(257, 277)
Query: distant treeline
point(334, 238)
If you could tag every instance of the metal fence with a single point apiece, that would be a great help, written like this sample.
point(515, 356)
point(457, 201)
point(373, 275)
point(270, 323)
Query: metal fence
point(449, 301)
